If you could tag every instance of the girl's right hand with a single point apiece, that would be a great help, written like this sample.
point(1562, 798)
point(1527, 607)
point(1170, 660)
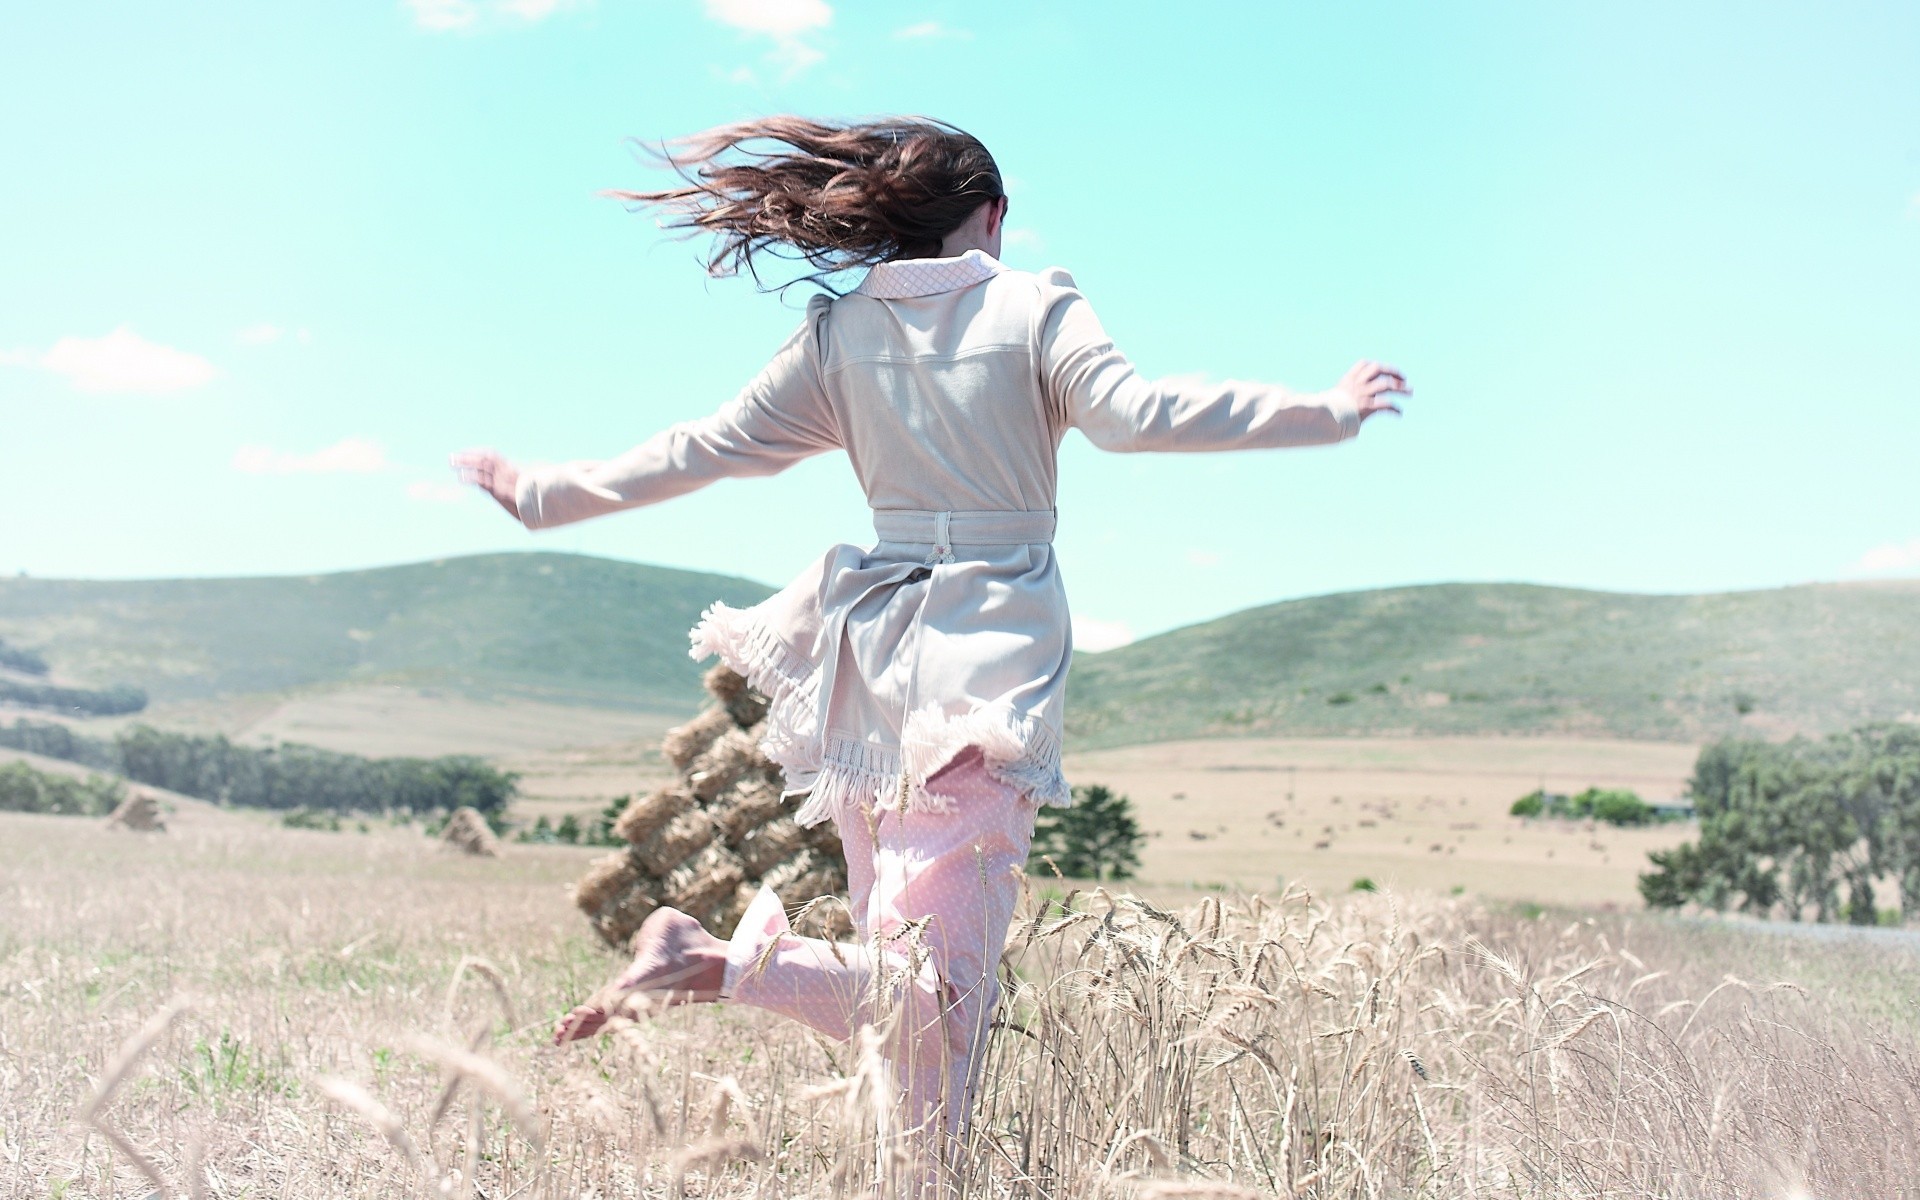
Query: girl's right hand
point(491, 474)
point(1367, 382)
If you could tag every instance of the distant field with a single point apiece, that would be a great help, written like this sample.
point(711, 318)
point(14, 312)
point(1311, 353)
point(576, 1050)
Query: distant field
point(1407, 813)
point(1381, 804)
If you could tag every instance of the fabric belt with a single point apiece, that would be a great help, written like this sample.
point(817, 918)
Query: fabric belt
point(944, 530)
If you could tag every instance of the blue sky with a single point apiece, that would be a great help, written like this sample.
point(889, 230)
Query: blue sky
point(1654, 271)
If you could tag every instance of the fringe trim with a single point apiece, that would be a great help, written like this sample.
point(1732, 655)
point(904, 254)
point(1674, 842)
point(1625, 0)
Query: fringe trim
point(776, 672)
point(837, 774)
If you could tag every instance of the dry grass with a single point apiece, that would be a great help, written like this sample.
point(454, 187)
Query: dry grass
point(1410, 813)
point(246, 1010)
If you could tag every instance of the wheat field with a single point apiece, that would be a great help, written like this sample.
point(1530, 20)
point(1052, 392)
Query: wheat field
point(235, 1009)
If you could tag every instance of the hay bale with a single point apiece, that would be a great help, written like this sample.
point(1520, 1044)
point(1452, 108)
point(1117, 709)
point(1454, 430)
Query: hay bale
point(684, 743)
point(140, 812)
point(706, 842)
point(732, 757)
point(642, 818)
point(468, 833)
point(745, 706)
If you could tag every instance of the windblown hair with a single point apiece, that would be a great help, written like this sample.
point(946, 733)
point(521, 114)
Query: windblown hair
point(832, 195)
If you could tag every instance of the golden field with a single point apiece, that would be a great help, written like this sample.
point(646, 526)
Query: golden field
point(334, 988)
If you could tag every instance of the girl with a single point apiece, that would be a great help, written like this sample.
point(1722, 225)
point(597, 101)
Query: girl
point(916, 685)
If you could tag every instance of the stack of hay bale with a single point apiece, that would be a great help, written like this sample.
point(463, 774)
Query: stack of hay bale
point(140, 812)
point(468, 833)
point(705, 843)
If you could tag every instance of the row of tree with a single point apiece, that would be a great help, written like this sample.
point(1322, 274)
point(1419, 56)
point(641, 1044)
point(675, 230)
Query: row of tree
point(18, 658)
point(87, 702)
point(1615, 806)
point(1801, 828)
point(283, 776)
point(23, 789)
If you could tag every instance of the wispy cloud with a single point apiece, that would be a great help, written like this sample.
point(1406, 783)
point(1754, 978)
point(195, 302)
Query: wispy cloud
point(1016, 237)
point(121, 361)
point(1203, 558)
point(1093, 635)
point(785, 21)
point(443, 16)
point(1890, 558)
point(349, 456)
point(452, 16)
point(775, 18)
point(928, 30)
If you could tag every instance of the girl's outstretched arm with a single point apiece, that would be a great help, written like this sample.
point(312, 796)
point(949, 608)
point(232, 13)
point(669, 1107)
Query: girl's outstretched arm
point(1092, 387)
point(775, 421)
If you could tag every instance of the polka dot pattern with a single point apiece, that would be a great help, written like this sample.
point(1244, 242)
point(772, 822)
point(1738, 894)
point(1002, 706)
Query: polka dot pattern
point(932, 895)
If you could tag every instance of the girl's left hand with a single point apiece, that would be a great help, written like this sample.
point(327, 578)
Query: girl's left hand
point(1367, 384)
point(491, 474)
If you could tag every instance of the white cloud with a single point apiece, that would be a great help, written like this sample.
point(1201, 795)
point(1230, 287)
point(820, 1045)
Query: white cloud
point(349, 456)
point(532, 10)
point(19, 358)
point(1022, 238)
point(1889, 558)
point(739, 75)
point(783, 21)
point(122, 361)
point(437, 493)
point(259, 335)
point(1094, 636)
point(792, 57)
point(443, 15)
point(1203, 558)
point(776, 18)
point(927, 30)
point(447, 16)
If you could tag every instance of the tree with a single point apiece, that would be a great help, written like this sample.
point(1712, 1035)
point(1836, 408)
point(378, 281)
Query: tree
point(1801, 828)
point(1097, 838)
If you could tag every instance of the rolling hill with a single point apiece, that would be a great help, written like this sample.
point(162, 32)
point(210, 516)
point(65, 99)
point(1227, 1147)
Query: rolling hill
point(1473, 658)
point(558, 626)
point(1464, 658)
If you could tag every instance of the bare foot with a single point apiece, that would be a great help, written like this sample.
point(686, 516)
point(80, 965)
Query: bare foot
point(675, 961)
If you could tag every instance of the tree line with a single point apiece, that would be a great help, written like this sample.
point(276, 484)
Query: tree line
point(1801, 828)
point(18, 658)
point(282, 776)
point(92, 702)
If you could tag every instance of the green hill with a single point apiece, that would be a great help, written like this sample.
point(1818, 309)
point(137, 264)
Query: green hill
point(1515, 658)
point(562, 626)
point(1441, 659)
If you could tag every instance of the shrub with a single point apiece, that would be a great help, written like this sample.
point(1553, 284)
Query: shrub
point(311, 818)
point(1097, 838)
point(24, 789)
point(1530, 805)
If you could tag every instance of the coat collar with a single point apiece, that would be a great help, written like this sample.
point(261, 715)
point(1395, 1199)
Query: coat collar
point(904, 278)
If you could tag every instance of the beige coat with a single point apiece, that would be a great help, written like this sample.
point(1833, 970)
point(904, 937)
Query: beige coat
point(950, 384)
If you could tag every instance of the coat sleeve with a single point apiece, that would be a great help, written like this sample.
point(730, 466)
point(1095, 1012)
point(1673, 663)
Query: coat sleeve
point(1090, 386)
point(779, 418)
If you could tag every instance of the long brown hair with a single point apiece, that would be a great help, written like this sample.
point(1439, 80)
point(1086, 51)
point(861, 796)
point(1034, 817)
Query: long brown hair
point(831, 195)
